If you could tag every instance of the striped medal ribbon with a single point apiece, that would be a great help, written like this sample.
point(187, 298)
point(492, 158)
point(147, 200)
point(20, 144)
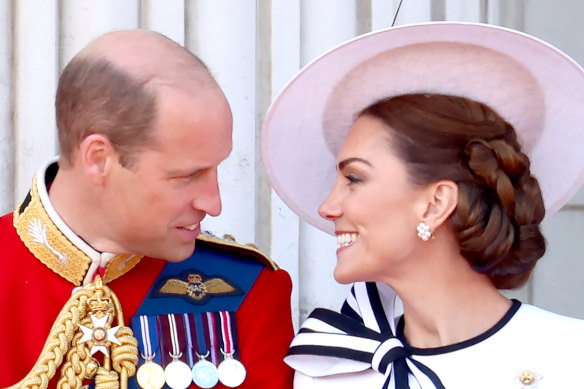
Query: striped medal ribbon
point(231, 371)
point(177, 373)
point(150, 374)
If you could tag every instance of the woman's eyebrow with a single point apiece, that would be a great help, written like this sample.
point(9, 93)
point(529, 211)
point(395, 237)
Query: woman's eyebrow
point(341, 165)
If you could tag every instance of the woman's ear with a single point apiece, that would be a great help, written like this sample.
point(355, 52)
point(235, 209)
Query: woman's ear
point(97, 155)
point(441, 199)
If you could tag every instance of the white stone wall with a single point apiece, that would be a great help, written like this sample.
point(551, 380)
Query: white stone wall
point(253, 48)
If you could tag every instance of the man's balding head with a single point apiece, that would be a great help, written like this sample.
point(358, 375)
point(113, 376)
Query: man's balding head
point(112, 85)
point(150, 57)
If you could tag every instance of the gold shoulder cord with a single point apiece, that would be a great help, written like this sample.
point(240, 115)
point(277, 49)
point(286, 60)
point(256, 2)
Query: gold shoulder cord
point(84, 327)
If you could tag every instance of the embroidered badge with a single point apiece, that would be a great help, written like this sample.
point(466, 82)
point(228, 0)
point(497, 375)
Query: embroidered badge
point(195, 287)
point(38, 232)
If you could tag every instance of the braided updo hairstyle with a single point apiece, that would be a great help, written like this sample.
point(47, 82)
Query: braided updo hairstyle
point(500, 205)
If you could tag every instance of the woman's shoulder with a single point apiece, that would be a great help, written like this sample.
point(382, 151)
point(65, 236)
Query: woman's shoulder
point(540, 330)
point(538, 319)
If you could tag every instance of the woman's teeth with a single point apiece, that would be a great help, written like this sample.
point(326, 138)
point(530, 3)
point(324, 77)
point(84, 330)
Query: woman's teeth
point(346, 239)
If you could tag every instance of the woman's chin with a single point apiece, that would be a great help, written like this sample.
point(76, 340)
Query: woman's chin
point(342, 276)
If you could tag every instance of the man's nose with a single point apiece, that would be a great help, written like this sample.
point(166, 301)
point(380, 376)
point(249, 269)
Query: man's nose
point(207, 197)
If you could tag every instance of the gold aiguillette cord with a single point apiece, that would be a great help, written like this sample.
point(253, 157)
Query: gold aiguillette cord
point(83, 328)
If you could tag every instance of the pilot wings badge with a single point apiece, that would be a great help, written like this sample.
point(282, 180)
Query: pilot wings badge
point(195, 287)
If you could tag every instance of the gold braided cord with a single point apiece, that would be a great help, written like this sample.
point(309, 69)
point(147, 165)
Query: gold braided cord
point(78, 358)
point(125, 356)
point(107, 379)
point(79, 365)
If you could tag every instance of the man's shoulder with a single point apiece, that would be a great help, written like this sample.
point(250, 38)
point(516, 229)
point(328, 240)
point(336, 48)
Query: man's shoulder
point(8, 234)
point(6, 220)
point(228, 244)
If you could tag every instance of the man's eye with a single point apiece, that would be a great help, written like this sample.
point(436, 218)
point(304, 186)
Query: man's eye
point(185, 178)
point(188, 176)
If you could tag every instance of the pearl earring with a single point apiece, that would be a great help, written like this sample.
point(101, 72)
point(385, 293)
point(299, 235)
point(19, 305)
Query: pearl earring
point(424, 231)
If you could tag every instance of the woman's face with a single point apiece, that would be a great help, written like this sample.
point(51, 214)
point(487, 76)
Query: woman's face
point(374, 207)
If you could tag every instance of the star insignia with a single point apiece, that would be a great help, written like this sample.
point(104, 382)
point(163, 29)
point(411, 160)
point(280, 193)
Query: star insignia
point(99, 337)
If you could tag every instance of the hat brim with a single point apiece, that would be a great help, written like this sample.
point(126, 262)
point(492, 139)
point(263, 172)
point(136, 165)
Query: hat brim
point(531, 84)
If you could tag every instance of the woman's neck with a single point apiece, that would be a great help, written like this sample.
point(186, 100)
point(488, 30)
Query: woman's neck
point(446, 302)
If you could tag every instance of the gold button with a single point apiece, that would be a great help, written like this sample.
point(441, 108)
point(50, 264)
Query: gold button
point(527, 377)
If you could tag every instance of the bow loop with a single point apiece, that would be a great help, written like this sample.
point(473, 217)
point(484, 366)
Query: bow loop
point(361, 337)
point(388, 352)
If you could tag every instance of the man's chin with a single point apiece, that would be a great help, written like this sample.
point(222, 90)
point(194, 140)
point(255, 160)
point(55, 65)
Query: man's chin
point(177, 255)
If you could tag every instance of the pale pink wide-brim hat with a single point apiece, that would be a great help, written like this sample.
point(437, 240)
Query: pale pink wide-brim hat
point(532, 85)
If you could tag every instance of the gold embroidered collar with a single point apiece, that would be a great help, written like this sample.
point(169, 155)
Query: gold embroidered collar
point(50, 240)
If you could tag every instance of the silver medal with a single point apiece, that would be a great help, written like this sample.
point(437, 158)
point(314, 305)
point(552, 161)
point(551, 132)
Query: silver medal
point(178, 375)
point(205, 374)
point(231, 372)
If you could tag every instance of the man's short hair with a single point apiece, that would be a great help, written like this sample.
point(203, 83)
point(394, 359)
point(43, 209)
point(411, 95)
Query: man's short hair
point(96, 97)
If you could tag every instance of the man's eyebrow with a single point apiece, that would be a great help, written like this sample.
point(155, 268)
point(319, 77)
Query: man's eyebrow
point(341, 165)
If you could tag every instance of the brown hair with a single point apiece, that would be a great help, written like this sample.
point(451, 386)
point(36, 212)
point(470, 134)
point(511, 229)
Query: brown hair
point(94, 96)
point(500, 205)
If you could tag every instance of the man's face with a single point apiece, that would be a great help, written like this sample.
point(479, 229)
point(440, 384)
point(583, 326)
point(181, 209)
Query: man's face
point(158, 203)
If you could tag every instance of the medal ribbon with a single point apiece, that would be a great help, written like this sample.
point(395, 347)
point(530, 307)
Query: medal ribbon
point(162, 329)
point(146, 332)
point(176, 353)
point(211, 334)
point(200, 334)
point(146, 345)
point(187, 321)
point(226, 332)
point(362, 337)
point(172, 330)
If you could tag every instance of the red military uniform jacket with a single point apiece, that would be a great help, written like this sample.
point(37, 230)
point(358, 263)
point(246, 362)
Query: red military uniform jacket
point(44, 263)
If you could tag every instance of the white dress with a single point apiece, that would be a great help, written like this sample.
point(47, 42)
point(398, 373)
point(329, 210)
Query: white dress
point(528, 348)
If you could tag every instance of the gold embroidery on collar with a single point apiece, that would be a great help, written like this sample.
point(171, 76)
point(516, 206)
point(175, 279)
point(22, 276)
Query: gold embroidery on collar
point(48, 244)
point(120, 265)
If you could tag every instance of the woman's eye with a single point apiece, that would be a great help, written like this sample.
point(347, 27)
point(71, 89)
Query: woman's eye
point(353, 179)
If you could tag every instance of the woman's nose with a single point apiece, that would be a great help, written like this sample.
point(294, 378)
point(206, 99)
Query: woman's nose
point(331, 206)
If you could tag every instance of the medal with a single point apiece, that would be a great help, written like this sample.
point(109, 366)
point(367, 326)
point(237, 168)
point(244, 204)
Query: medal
point(150, 375)
point(205, 373)
point(231, 371)
point(177, 373)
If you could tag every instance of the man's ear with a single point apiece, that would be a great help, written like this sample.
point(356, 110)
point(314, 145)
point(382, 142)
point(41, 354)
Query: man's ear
point(97, 156)
point(441, 199)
